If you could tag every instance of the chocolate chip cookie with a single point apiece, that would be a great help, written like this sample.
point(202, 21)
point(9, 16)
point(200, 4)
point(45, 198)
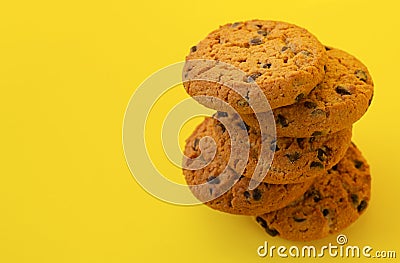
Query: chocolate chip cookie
point(333, 202)
point(337, 102)
point(294, 160)
point(284, 60)
point(223, 188)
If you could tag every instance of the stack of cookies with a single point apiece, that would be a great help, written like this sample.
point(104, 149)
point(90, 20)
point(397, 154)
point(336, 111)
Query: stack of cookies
point(318, 182)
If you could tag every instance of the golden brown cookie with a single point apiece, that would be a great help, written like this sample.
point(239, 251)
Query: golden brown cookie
point(337, 102)
point(295, 160)
point(237, 199)
point(334, 201)
point(284, 60)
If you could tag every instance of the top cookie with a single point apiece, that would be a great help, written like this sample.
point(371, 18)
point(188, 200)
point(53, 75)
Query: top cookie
point(337, 102)
point(284, 60)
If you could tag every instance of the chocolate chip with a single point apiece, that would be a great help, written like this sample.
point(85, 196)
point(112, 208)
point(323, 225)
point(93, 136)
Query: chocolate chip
point(193, 49)
point(334, 168)
point(249, 80)
point(222, 127)
point(354, 199)
point(262, 32)
point(213, 180)
point(246, 194)
point(267, 65)
point(322, 155)
point(318, 112)
point(195, 144)
point(300, 142)
point(236, 24)
point(273, 146)
point(327, 150)
point(284, 48)
point(282, 121)
point(315, 194)
point(263, 223)
point(259, 26)
point(257, 194)
point(316, 133)
point(310, 105)
point(221, 114)
point(316, 165)
point(253, 77)
point(293, 156)
point(358, 164)
point(267, 185)
point(300, 97)
point(327, 48)
point(370, 100)
point(296, 219)
point(255, 41)
point(306, 53)
point(342, 90)
point(247, 95)
point(361, 75)
point(242, 103)
point(362, 206)
point(325, 212)
point(243, 126)
point(325, 68)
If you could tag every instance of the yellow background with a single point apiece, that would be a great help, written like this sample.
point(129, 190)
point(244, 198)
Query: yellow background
point(67, 71)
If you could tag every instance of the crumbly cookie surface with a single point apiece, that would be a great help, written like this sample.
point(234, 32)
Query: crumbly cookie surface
point(295, 160)
point(217, 176)
point(286, 62)
point(337, 102)
point(333, 202)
